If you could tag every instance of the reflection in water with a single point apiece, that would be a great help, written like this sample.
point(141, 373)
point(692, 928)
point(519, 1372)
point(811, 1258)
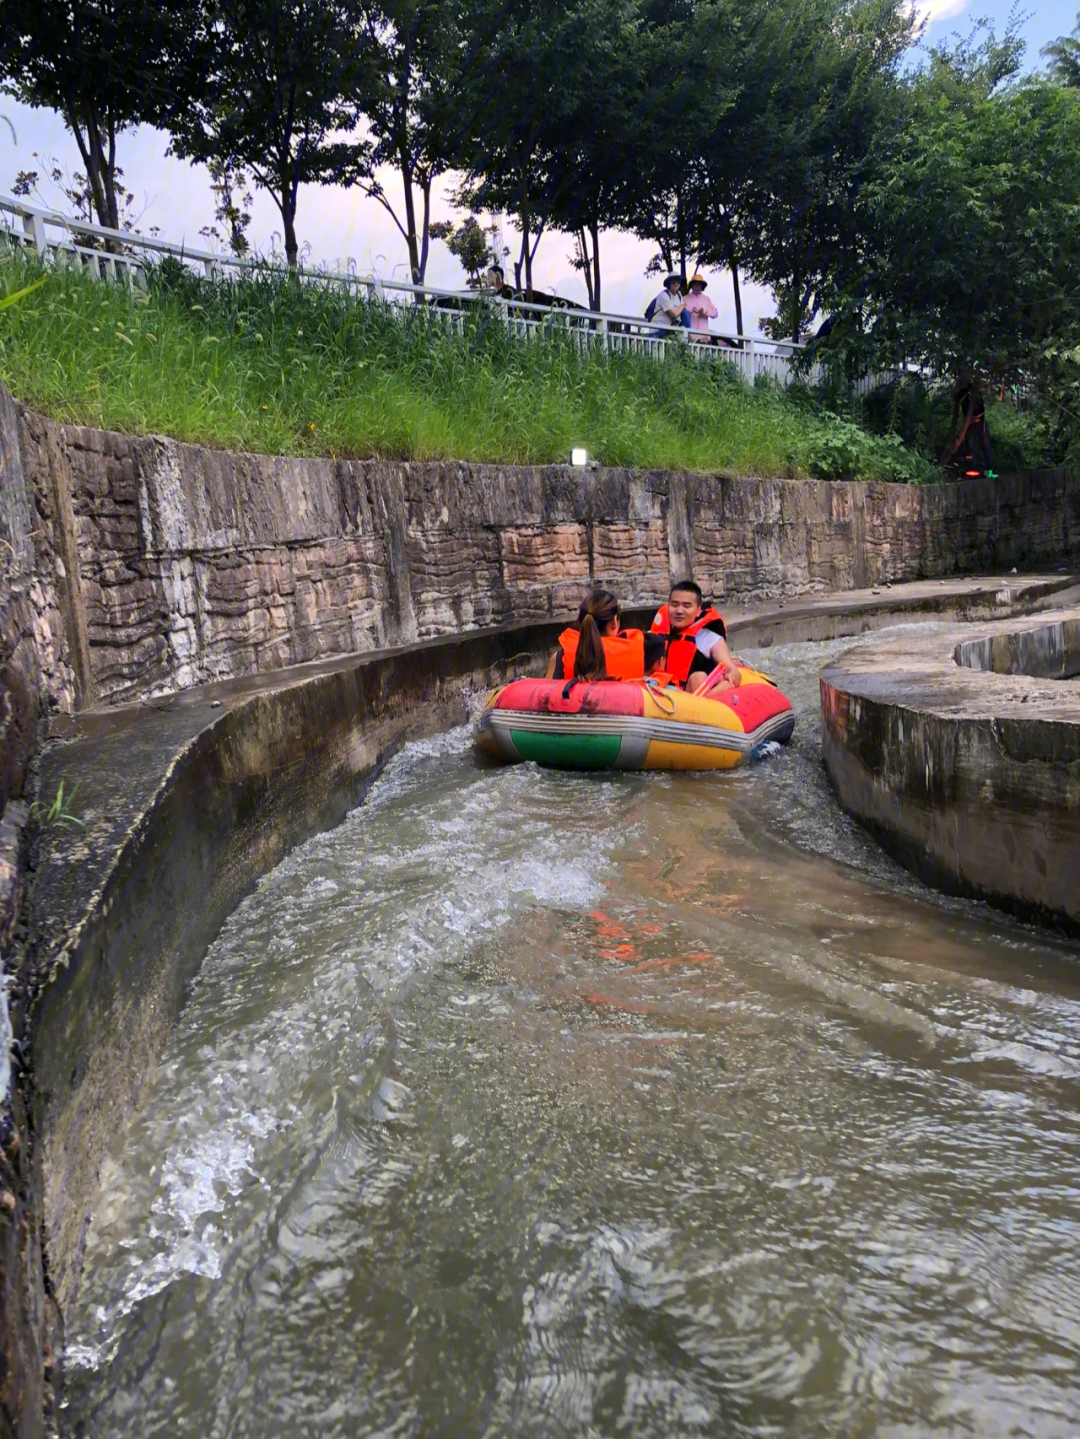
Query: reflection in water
point(529, 1103)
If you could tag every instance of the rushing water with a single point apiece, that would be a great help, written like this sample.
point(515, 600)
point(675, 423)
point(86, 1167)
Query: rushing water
point(529, 1103)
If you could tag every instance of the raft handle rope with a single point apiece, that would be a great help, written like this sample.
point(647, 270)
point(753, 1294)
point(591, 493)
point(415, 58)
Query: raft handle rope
point(658, 694)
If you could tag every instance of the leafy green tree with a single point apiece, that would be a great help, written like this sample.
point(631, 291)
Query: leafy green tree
point(282, 95)
point(970, 227)
point(414, 48)
point(830, 96)
point(469, 243)
point(105, 65)
point(691, 55)
point(525, 72)
point(1064, 57)
point(588, 164)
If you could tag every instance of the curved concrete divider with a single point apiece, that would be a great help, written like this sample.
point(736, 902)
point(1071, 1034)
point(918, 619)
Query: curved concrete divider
point(963, 757)
point(1050, 652)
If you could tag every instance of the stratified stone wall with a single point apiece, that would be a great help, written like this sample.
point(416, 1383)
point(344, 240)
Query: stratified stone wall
point(187, 564)
point(36, 677)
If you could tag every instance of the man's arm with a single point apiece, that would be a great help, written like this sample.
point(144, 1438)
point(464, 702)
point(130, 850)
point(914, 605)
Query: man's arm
point(721, 655)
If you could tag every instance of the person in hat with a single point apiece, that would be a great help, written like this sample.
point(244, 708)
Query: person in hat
point(666, 310)
point(698, 305)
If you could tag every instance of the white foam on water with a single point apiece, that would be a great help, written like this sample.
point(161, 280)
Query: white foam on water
point(416, 877)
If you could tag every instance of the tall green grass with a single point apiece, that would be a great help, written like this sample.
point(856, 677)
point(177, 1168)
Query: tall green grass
point(269, 365)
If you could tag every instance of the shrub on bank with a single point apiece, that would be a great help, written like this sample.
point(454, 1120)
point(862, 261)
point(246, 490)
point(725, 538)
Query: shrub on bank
point(265, 364)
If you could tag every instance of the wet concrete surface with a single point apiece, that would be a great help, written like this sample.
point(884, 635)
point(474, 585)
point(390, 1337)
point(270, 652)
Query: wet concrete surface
point(969, 776)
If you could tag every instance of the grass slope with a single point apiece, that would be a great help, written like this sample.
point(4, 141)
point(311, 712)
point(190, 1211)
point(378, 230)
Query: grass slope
point(270, 366)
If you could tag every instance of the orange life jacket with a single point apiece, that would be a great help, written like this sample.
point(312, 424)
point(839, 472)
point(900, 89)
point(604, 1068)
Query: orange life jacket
point(682, 647)
point(661, 678)
point(624, 653)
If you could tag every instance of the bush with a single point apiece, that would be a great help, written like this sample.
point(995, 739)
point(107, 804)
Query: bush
point(838, 449)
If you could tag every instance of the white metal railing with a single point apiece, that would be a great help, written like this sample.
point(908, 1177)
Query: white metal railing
point(120, 254)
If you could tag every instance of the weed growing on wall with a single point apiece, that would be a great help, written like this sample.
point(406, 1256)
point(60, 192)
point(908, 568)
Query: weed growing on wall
point(269, 365)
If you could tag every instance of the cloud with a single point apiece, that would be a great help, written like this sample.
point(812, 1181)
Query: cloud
point(935, 10)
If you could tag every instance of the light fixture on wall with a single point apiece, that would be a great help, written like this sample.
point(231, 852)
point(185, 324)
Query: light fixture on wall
point(579, 458)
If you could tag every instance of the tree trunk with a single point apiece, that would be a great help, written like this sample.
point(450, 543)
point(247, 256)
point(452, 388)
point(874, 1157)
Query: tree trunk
point(425, 233)
point(287, 206)
point(738, 297)
point(537, 237)
point(524, 216)
point(586, 266)
point(796, 291)
point(88, 139)
point(410, 221)
point(595, 231)
point(680, 231)
point(111, 201)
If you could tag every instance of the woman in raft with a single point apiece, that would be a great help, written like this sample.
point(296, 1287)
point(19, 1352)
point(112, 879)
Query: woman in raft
point(599, 650)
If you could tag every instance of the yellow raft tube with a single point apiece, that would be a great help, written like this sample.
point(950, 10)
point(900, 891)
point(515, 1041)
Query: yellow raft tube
point(632, 724)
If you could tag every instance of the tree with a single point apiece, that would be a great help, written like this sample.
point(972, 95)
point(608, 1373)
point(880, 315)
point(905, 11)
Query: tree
point(829, 102)
point(232, 196)
point(1064, 57)
point(588, 164)
point(523, 74)
point(76, 197)
point(470, 244)
point(282, 95)
point(678, 109)
point(414, 48)
point(105, 65)
point(971, 227)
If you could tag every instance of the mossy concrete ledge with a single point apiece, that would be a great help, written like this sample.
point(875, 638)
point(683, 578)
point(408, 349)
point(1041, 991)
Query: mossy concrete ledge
point(961, 753)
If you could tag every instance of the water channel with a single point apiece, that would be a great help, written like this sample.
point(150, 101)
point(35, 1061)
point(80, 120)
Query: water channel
point(529, 1103)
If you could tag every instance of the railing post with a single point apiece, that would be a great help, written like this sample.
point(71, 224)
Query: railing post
point(34, 227)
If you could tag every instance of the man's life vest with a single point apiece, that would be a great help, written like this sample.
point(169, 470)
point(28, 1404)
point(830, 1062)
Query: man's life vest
point(624, 653)
point(682, 648)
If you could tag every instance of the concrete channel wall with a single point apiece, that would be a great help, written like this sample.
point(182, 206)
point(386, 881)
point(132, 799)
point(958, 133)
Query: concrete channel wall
point(135, 569)
point(182, 565)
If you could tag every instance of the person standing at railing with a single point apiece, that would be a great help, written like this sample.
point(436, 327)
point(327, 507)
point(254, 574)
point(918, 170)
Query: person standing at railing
point(698, 305)
point(666, 310)
point(495, 283)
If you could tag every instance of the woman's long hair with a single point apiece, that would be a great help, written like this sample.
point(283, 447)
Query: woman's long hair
point(598, 610)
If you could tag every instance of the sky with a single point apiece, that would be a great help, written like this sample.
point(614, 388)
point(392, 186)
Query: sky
point(342, 228)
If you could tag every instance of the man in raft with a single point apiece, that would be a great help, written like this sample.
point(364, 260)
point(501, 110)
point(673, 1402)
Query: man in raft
point(598, 649)
point(697, 639)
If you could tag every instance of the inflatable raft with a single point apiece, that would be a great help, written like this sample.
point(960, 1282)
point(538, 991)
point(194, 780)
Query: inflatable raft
point(632, 724)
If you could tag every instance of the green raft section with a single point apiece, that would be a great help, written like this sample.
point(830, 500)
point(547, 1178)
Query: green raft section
point(568, 751)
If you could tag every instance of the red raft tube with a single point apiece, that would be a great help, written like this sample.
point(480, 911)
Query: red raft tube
point(633, 724)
